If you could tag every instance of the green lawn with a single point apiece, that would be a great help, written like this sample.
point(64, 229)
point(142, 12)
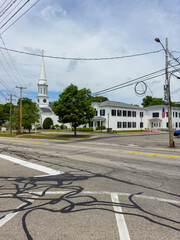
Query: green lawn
point(52, 136)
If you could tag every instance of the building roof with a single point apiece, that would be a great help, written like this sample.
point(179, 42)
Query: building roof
point(117, 104)
point(153, 107)
point(46, 110)
point(51, 104)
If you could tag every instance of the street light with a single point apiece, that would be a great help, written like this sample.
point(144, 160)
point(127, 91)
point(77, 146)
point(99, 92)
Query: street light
point(167, 83)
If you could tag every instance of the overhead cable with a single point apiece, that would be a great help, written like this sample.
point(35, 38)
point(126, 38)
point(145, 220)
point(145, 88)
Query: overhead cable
point(14, 14)
point(82, 59)
point(5, 10)
point(19, 17)
point(131, 82)
point(3, 3)
point(12, 64)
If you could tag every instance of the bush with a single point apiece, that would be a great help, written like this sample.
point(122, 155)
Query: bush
point(47, 123)
point(56, 126)
point(101, 128)
point(84, 129)
point(53, 127)
point(63, 127)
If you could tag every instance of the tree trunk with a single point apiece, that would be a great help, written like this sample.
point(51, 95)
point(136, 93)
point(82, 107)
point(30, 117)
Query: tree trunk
point(75, 130)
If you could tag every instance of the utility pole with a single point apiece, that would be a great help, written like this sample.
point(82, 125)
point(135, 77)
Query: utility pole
point(171, 142)
point(10, 118)
point(167, 83)
point(20, 125)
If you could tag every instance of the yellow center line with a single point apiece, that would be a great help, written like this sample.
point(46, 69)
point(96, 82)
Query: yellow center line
point(16, 140)
point(153, 154)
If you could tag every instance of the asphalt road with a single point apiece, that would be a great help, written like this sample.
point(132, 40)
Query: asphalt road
point(107, 187)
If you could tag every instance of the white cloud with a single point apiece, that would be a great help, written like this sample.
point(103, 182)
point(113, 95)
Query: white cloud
point(50, 12)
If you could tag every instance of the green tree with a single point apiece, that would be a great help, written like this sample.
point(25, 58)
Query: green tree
point(5, 112)
point(48, 122)
point(98, 99)
point(30, 114)
point(74, 106)
point(149, 101)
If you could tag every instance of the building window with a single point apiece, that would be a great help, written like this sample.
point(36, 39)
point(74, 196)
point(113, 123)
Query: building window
point(141, 124)
point(102, 112)
point(166, 114)
point(133, 113)
point(41, 90)
point(129, 113)
point(176, 124)
point(134, 124)
point(173, 114)
point(96, 112)
point(155, 115)
point(179, 114)
point(119, 124)
point(129, 124)
point(113, 112)
point(118, 113)
point(124, 124)
point(179, 124)
point(176, 114)
point(167, 125)
point(124, 113)
point(141, 114)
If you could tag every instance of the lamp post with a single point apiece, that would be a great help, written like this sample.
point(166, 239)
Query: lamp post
point(167, 83)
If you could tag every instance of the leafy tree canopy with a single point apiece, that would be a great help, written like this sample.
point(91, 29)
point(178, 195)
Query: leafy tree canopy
point(74, 106)
point(5, 112)
point(98, 99)
point(30, 114)
point(47, 123)
point(149, 101)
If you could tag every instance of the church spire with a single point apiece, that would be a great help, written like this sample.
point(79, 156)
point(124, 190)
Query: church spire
point(42, 79)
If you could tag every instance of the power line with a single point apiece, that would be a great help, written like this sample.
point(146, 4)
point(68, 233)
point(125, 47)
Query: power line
point(11, 4)
point(10, 11)
point(3, 3)
point(12, 64)
point(6, 6)
point(82, 59)
point(19, 17)
point(14, 14)
point(131, 82)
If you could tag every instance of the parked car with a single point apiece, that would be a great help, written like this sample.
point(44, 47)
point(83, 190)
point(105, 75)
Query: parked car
point(177, 133)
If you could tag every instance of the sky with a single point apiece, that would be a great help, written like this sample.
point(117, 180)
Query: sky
point(90, 29)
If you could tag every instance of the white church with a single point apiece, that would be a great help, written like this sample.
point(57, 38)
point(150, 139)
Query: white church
point(42, 99)
point(111, 114)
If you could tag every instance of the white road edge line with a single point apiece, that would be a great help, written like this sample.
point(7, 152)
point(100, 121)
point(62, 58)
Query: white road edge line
point(98, 193)
point(121, 223)
point(31, 165)
point(10, 215)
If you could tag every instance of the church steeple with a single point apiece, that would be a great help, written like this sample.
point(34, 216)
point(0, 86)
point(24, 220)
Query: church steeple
point(42, 78)
point(42, 98)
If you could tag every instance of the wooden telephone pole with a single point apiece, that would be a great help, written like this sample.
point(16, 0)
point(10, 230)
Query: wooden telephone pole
point(10, 120)
point(21, 88)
